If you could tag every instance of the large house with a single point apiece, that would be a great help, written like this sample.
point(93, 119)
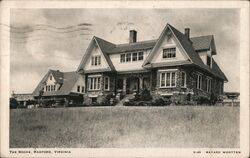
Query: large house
point(61, 86)
point(173, 66)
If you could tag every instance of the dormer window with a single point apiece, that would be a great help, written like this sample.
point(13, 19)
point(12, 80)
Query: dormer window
point(122, 60)
point(96, 60)
point(208, 60)
point(49, 88)
point(128, 57)
point(169, 53)
point(50, 77)
point(140, 56)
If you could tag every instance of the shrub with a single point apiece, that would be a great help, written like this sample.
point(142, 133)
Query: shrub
point(13, 103)
point(213, 99)
point(47, 103)
point(144, 95)
point(131, 102)
point(203, 100)
point(162, 102)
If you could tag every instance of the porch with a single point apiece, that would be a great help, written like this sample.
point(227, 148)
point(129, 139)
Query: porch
point(133, 82)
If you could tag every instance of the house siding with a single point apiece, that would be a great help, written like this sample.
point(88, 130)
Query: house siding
point(101, 94)
point(180, 93)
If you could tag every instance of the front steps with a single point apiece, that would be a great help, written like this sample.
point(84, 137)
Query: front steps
point(126, 98)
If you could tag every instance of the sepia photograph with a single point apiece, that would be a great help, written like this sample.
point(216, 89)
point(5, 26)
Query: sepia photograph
point(115, 78)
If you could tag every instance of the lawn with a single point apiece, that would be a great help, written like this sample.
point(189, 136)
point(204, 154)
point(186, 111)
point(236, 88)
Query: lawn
point(173, 126)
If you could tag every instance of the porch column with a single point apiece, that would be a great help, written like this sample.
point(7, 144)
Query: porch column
point(141, 83)
point(151, 81)
point(124, 85)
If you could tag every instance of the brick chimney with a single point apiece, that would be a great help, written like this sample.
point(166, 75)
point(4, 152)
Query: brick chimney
point(132, 36)
point(187, 32)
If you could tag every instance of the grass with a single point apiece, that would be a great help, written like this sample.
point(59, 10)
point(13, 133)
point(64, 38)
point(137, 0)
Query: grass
point(179, 126)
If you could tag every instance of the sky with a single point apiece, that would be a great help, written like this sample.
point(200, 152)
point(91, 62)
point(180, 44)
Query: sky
point(43, 39)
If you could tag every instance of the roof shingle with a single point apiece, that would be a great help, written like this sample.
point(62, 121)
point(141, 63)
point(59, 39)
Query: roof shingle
point(192, 46)
point(202, 42)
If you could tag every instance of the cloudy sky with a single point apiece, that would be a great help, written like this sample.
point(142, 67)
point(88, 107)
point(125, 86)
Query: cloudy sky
point(43, 39)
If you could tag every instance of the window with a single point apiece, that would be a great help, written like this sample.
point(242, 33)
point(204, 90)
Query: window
point(163, 80)
point(122, 60)
point(208, 85)
point(169, 53)
point(167, 79)
point(208, 60)
point(134, 57)
point(82, 89)
point(94, 100)
point(50, 77)
point(140, 56)
point(106, 83)
point(183, 79)
point(94, 83)
point(199, 81)
point(96, 60)
point(50, 88)
point(220, 87)
point(128, 57)
point(78, 88)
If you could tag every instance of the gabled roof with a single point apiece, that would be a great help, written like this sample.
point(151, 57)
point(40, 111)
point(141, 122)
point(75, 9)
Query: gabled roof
point(204, 43)
point(104, 46)
point(187, 45)
point(68, 81)
point(217, 70)
point(191, 47)
point(57, 75)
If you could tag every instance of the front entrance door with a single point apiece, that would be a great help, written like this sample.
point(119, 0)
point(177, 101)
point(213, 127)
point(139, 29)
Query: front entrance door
point(132, 85)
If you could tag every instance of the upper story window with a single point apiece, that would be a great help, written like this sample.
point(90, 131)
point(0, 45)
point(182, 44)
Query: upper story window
point(49, 88)
point(199, 81)
point(94, 83)
point(167, 79)
point(50, 77)
point(208, 60)
point(122, 58)
point(169, 53)
point(128, 57)
point(134, 56)
point(140, 56)
point(183, 79)
point(96, 60)
point(78, 88)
